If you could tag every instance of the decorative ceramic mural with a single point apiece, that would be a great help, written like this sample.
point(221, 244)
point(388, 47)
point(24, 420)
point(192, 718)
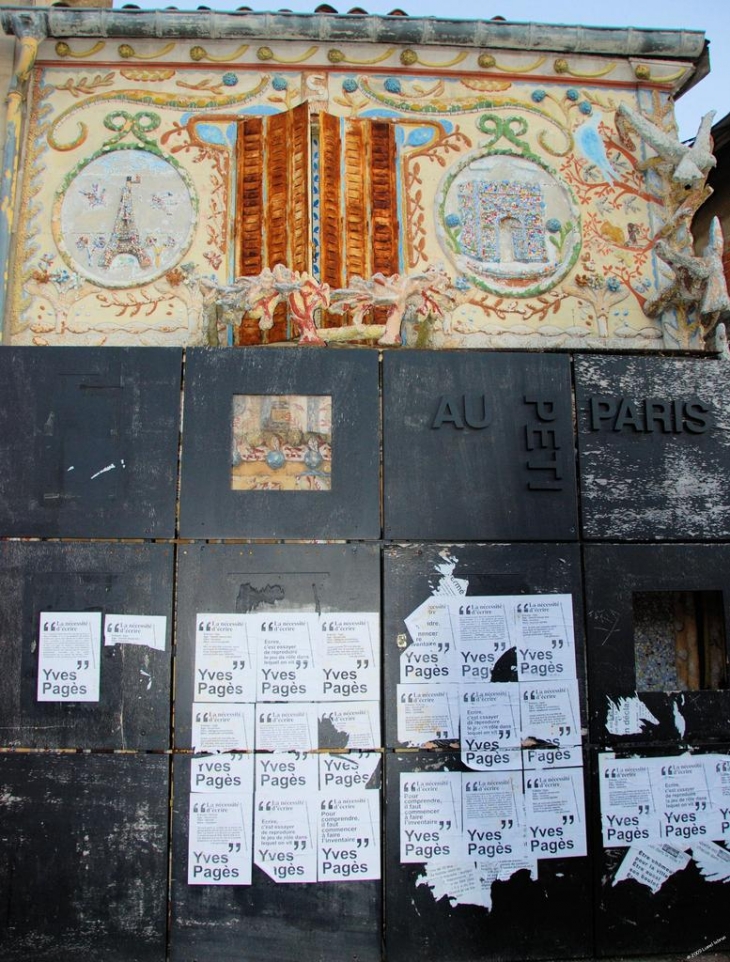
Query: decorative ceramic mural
point(124, 218)
point(228, 193)
point(508, 224)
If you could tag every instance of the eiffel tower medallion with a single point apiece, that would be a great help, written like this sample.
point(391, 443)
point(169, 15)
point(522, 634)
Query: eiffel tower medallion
point(124, 238)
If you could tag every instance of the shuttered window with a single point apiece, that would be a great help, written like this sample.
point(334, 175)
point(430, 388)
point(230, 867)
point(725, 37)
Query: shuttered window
point(354, 193)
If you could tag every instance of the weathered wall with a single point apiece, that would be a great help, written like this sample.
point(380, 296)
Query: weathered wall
point(529, 142)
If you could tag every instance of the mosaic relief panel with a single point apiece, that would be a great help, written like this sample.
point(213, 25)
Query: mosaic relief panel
point(281, 443)
point(527, 212)
point(125, 218)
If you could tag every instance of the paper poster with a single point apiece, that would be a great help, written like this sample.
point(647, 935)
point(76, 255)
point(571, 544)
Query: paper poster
point(490, 726)
point(224, 774)
point(355, 725)
point(287, 773)
point(69, 652)
point(712, 860)
point(651, 865)
point(568, 756)
point(555, 813)
point(433, 654)
point(148, 630)
point(286, 728)
point(628, 716)
point(285, 836)
point(219, 839)
point(225, 666)
point(549, 711)
point(430, 806)
point(349, 837)
point(348, 656)
point(285, 646)
point(546, 649)
point(427, 713)
point(683, 797)
point(494, 816)
point(222, 728)
point(356, 772)
point(487, 635)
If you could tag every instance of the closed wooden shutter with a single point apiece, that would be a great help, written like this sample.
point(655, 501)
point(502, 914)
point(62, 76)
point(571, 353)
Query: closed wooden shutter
point(358, 201)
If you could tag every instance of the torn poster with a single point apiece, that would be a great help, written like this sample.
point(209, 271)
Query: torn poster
point(148, 630)
point(285, 836)
point(432, 655)
point(286, 728)
point(219, 833)
point(470, 883)
point(651, 865)
point(225, 774)
point(355, 725)
point(225, 667)
point(712, 860)
point(628, 716)
point(69, 651)
point(549, 711)
point(427, 713)
point(430, 817)
point(354, 772)
point(486, 633)
point(222, 728)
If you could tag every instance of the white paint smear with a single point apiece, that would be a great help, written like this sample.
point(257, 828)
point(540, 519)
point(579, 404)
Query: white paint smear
point(109, 467)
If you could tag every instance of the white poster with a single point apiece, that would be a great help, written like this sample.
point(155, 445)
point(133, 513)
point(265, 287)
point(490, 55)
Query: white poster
point(148, 630)
point(285, 836)
point(223, 728)
point(225, 665)
point(69, 651)
point(549, 711)
point(555, 811)
point(286, 728)
point(546, 649)
point(651, 865)
point(487, 634)
point(219, 838)
point(427, 713)
point(354, 772)
point(285, 646)
point(354, 725)
point(348, 656)
point(430, 807)
point(490, 726)
point(226, 774)
point(494, 816)
point(349, 837)
point(433, 654)
point(287, 774)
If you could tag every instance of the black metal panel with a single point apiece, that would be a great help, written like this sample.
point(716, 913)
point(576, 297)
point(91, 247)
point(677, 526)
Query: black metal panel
point(210, 508)
point(411, 573)
point(549, 918)
point(134, 707)
point(613, 573)
point(83, 863)
point(478, 447)
point(654, 441)
point(688, 913)
point(88, 441)
point(263, 921)
point(244, 578)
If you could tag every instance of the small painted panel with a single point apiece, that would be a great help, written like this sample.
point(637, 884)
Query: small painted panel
point(75, 826)
point(680, 694)
point(88, 442)
point(280, 444)
point(454, 891)
point(654, 448)
point(478, 447)
point(128, 589)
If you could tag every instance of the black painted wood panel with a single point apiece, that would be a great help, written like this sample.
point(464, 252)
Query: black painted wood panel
point(88, 442)
point(134, 707)
point(478, 447)
point(83, 857)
